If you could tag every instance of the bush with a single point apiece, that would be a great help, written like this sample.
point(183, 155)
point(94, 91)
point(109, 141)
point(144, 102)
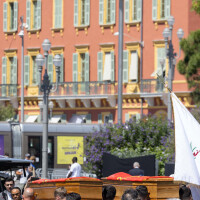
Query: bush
point(148, 136)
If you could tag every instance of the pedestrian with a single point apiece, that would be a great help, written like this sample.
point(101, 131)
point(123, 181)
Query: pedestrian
point(136, 171)
point(60, 193)
point(28, 194)
point(75, 169)
point(6, 194)
point(16, 193)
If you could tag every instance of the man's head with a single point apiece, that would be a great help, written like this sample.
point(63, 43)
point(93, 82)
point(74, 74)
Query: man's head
point(185, 193)
point(136, 165)
point(74, 159)
point(130, 194)
point(108, 192)
point(60, 193)
point(142, 192)
point(9, 184)
point(27, 156)
point(28, 194)
point(16, 193)
point(73, 196)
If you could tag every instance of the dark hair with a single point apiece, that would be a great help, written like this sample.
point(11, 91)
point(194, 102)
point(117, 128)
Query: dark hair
point(16, 188)
point(184, 193)
point(74, 159)
point(6, 154)
point(61, 192)
point(73, 196)
point(108, 192)
point(130, 194)
point(142, 191)
point(9, 179)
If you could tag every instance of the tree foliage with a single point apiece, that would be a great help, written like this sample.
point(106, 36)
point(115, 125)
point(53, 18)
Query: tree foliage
point(196, 6)
point(189, 66)
point(6, 112)
point(148, 136)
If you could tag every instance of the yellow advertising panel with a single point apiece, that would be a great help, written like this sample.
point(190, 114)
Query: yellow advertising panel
point(69, 147)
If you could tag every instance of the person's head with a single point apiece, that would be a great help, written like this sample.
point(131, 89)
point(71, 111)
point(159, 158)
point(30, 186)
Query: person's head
point(9, 184)
point(142, 192)
point(74, 159)
point(185, 193)
point(27, 156)
point(73, 196)
point(60, 193)
point(16, 193)
point(136, 165)
point(130, 194)
point(6, 155)
point(28, 194)
point(108, 192)
point(33, 158)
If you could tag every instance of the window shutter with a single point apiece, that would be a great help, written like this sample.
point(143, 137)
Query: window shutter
point(60, 15)
point(87, 67)
point(126, 117)
point(154, 10)
point(139, 10)
point(137, 117)
point(4, 70)
point(5, 8)
point(26, 69)
point(87, 13)
point(126, 11)
point(100, 66)
point(15, 15)
point(133, 75)
point(38, 14)
point(110, 118)
point(62, 68)
point(167, 8)
point(28, 14)
point(63, 118)
point(75, 67)
point(50, 67)
point(101, 12)
point(125, 66)
point(112, 66)
point(88, 119)
point(99, 118)
point(75, 13)
point(160, 55)
point(15, 70)
point(113, 7)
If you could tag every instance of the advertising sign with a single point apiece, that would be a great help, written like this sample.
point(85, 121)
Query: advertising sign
point(69, 147)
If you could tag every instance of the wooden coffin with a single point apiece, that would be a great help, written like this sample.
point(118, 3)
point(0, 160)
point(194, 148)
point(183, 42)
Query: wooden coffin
point(88, 188)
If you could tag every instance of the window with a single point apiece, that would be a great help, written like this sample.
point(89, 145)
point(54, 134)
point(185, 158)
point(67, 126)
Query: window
point(33, 14)
point(9, 74)
point(51, 67)
point(81, 13)
point(131, 63)
point(133, 11)
point(106, 64)
point(161, 9)
point(10, 15)
point(107, 12)
point(31, 74)
point(58, 14)
point(105, 117)
point(131, 115)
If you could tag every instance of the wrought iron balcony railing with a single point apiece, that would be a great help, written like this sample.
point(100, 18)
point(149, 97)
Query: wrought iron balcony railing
point(152, 86)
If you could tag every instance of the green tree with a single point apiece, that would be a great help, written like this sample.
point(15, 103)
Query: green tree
point(6, 112)
point(196, 6)
point(189, 66)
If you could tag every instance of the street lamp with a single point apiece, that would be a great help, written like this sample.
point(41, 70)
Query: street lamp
point(46, 88)
point(167, 34)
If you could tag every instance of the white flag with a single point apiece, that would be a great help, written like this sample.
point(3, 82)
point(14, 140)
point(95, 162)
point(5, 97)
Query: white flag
point(187, 144)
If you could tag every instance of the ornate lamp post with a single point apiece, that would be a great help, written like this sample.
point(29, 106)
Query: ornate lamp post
point(167, 34)
point(46, 88)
